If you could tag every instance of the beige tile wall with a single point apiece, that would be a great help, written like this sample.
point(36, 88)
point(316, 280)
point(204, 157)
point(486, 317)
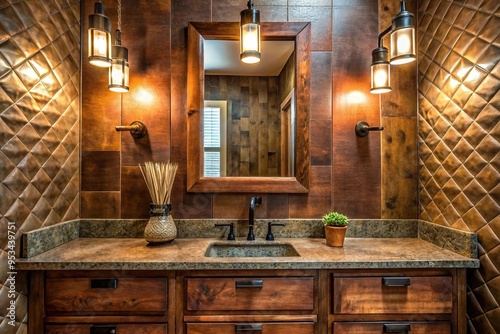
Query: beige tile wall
point(459, 136)
point(39, 127)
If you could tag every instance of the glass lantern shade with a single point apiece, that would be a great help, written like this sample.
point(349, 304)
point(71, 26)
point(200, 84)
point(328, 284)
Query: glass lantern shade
point(380, 71)
point(119, 70)
point(403, 46)
point(250, 43)
point(99, 37)
point(380, 78)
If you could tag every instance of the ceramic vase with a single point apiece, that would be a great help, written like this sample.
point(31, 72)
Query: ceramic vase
point(335, 235)
point(161, 226)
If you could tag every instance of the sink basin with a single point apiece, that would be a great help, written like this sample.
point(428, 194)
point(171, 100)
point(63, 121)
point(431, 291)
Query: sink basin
point(251, 249)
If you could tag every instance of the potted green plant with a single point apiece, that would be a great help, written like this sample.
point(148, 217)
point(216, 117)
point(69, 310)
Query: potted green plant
point(335, 228)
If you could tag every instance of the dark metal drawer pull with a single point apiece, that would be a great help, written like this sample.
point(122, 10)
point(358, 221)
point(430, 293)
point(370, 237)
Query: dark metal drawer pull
point(106, 283)
point(396, 328)
point(248, 327)
point(257, 283)
point(103, 329)
point(396, 281)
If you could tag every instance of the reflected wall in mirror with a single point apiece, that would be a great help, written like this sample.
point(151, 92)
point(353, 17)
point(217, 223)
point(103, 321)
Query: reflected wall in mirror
point(245, 130)
point(265, 115)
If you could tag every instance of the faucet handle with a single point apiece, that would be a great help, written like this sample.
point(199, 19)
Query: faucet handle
point(270, 236)
point(230, 236)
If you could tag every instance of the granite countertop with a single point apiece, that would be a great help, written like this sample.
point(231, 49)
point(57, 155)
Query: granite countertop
point(189, 254)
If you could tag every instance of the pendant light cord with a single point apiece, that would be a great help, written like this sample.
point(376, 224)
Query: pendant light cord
point(118, 32)
point(119, 14)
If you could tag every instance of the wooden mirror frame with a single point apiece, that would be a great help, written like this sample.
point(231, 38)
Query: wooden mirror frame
point(196, 182)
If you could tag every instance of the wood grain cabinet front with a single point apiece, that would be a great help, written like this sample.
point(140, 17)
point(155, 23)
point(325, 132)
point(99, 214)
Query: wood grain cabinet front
point(106, 294)
point(106, 329)
point(393, 295)
point(392, 327)
point(102, 302)
point(244, 302)
point(251, 328)
point(250, 293)
point(426, 301)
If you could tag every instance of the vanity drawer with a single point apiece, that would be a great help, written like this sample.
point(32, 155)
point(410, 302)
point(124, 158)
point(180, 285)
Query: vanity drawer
point(106, 329)
point(265, 328)
point(106, 294)
point(391, 327)
point(396, 295)
point(250, 294)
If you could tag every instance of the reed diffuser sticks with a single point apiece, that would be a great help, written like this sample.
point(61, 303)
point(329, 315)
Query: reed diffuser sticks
point(159, 178)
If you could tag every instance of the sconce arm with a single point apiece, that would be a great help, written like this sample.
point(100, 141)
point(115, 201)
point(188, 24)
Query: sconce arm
point(137, 129)
point(363, 129)
point(382, 34)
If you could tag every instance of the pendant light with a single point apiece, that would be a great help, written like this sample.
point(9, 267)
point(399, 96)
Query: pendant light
point(402, 50)
point(403, 37)
point(99, 35)
point(250, 34)
point(119, 70)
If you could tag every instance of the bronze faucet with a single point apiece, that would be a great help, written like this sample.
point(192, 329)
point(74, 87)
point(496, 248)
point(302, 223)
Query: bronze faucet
point(253, 201)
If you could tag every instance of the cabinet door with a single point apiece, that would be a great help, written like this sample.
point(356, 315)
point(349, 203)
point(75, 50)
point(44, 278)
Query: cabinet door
point(391, 327)
point(106, 294)
point(250, 294)
point(393, 295)
point(106, 329)
point(240, 328)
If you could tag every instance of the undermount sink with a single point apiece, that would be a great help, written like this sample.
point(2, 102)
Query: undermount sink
point(251, 249)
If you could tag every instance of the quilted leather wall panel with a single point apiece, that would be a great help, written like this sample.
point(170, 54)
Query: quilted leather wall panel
point(39, 126)
point(459, 135)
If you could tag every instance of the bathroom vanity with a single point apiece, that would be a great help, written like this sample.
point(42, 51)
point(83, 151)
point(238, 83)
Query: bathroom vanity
point(371, 285)
point(251, 301)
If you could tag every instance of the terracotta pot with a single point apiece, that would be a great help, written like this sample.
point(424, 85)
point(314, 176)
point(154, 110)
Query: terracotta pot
point(335, 235)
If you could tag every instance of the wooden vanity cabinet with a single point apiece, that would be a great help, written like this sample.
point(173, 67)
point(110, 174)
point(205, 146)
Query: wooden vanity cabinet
point(397, 301)
point(249, 302)
point(363, 301)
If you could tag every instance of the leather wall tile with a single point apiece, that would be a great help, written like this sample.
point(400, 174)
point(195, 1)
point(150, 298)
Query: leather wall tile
point(321, 86)
point(102, 204)
point(233, 206)
point(399, 199)
point(321, 145)
point(37, 165)
point(318, 201)
point(321, 24)
point(135, 198)
point(100, 170)
point(467, 77)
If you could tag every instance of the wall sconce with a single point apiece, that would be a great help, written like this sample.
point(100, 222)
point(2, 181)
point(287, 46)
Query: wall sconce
point(250, 34)
point(119, 70)
point(99, 37)
point(137, 129)
point(402, 50)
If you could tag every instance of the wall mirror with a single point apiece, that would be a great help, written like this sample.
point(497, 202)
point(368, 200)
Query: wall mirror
point(248, 128)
